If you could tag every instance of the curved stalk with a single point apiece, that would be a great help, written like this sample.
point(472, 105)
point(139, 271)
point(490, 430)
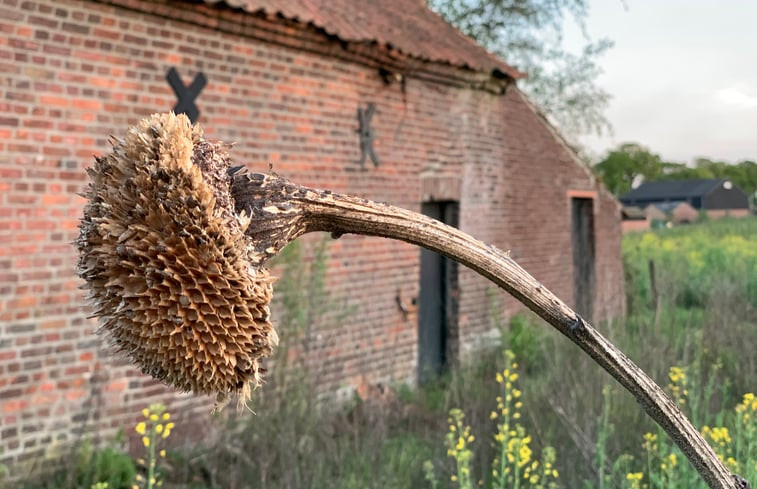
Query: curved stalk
point(280, 211)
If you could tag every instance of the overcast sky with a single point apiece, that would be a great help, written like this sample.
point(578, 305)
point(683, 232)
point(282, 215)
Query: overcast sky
point(683, 76)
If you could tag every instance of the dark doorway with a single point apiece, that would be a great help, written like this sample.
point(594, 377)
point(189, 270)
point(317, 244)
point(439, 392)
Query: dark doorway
point(583, 256)
point(437, 309)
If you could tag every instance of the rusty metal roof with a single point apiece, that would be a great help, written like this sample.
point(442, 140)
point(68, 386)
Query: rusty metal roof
point(406, 26)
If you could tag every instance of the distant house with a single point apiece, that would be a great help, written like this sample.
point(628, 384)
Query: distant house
point(678, 212)
point(634, 219)
point(718, 197)
point(655, 215)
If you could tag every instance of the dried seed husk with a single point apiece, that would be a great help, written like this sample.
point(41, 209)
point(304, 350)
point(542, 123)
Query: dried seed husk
point(165, 260)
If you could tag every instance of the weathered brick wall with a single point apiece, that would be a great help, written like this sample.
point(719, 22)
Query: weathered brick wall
point(73, 72)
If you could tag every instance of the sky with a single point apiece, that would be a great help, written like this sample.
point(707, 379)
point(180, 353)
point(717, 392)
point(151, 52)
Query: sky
point(682, 75)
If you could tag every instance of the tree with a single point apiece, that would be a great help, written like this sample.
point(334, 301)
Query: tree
point(627, 164)
point(631, 163)
point(528, 34)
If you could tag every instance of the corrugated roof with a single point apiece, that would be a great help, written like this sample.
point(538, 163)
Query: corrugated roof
point(407, 26)
point(672, 190)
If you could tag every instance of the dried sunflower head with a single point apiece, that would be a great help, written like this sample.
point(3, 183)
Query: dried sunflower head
point(165, 259)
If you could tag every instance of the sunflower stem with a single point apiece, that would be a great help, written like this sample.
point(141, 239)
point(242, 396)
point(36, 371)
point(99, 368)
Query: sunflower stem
point(280, 211)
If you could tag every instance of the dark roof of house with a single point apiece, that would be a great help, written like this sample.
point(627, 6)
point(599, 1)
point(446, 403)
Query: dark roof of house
point(672, 190)
point(405, 26)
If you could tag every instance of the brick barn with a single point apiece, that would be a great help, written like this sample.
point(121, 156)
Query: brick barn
point(386, 101)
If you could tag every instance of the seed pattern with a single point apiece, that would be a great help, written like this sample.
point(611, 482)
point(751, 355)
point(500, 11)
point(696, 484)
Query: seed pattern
point(165, 260)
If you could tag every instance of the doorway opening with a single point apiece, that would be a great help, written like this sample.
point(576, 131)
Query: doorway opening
point(437, 308)
point(582, 211)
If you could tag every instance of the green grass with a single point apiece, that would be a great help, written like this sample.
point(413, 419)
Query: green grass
point(701, 318)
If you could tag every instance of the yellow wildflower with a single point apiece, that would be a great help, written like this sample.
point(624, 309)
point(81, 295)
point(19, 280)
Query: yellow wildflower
point(672, 459)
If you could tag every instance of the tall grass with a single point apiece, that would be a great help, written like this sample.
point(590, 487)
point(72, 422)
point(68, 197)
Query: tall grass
point(696, 266)
point(702, 317)
point(691, 326)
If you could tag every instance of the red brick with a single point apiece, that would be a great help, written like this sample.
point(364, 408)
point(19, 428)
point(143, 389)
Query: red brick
point(80, 82)
point(75, 394)
point(53, 324)
point(7, 355)
point(116, 385)
point(22, 302)
point(15, 406)
point(87, 104)
point(58, 199)
point(45, 399)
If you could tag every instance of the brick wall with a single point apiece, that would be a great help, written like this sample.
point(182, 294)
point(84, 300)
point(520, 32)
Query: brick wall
point(73, 72)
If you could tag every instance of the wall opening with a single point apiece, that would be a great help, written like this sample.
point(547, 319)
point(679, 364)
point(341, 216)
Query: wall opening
point(437, 307)
point(582, 211)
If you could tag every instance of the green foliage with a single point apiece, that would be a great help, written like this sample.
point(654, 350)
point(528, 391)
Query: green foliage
point(109, 465)
point(301, 288)
point(302, 301)
point(514, 464)
point(293, 442)
point(661, 464)
point(704, 325)
point(154, 429)
point(624, 165)
point(630, 162)
point(524, 337)
point(693, 263)
point(742, 174)
point(528, 34)
point(90, 467)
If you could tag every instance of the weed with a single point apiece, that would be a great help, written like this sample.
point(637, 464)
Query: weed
point(155, 428)
point(514, 466)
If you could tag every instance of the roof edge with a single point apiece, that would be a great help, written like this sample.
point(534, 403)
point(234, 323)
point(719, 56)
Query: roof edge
point(596, 181)
point(499, 69)
point(277, 29)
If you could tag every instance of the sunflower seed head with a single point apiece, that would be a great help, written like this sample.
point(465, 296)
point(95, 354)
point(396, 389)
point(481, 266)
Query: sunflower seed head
point(165, 259)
